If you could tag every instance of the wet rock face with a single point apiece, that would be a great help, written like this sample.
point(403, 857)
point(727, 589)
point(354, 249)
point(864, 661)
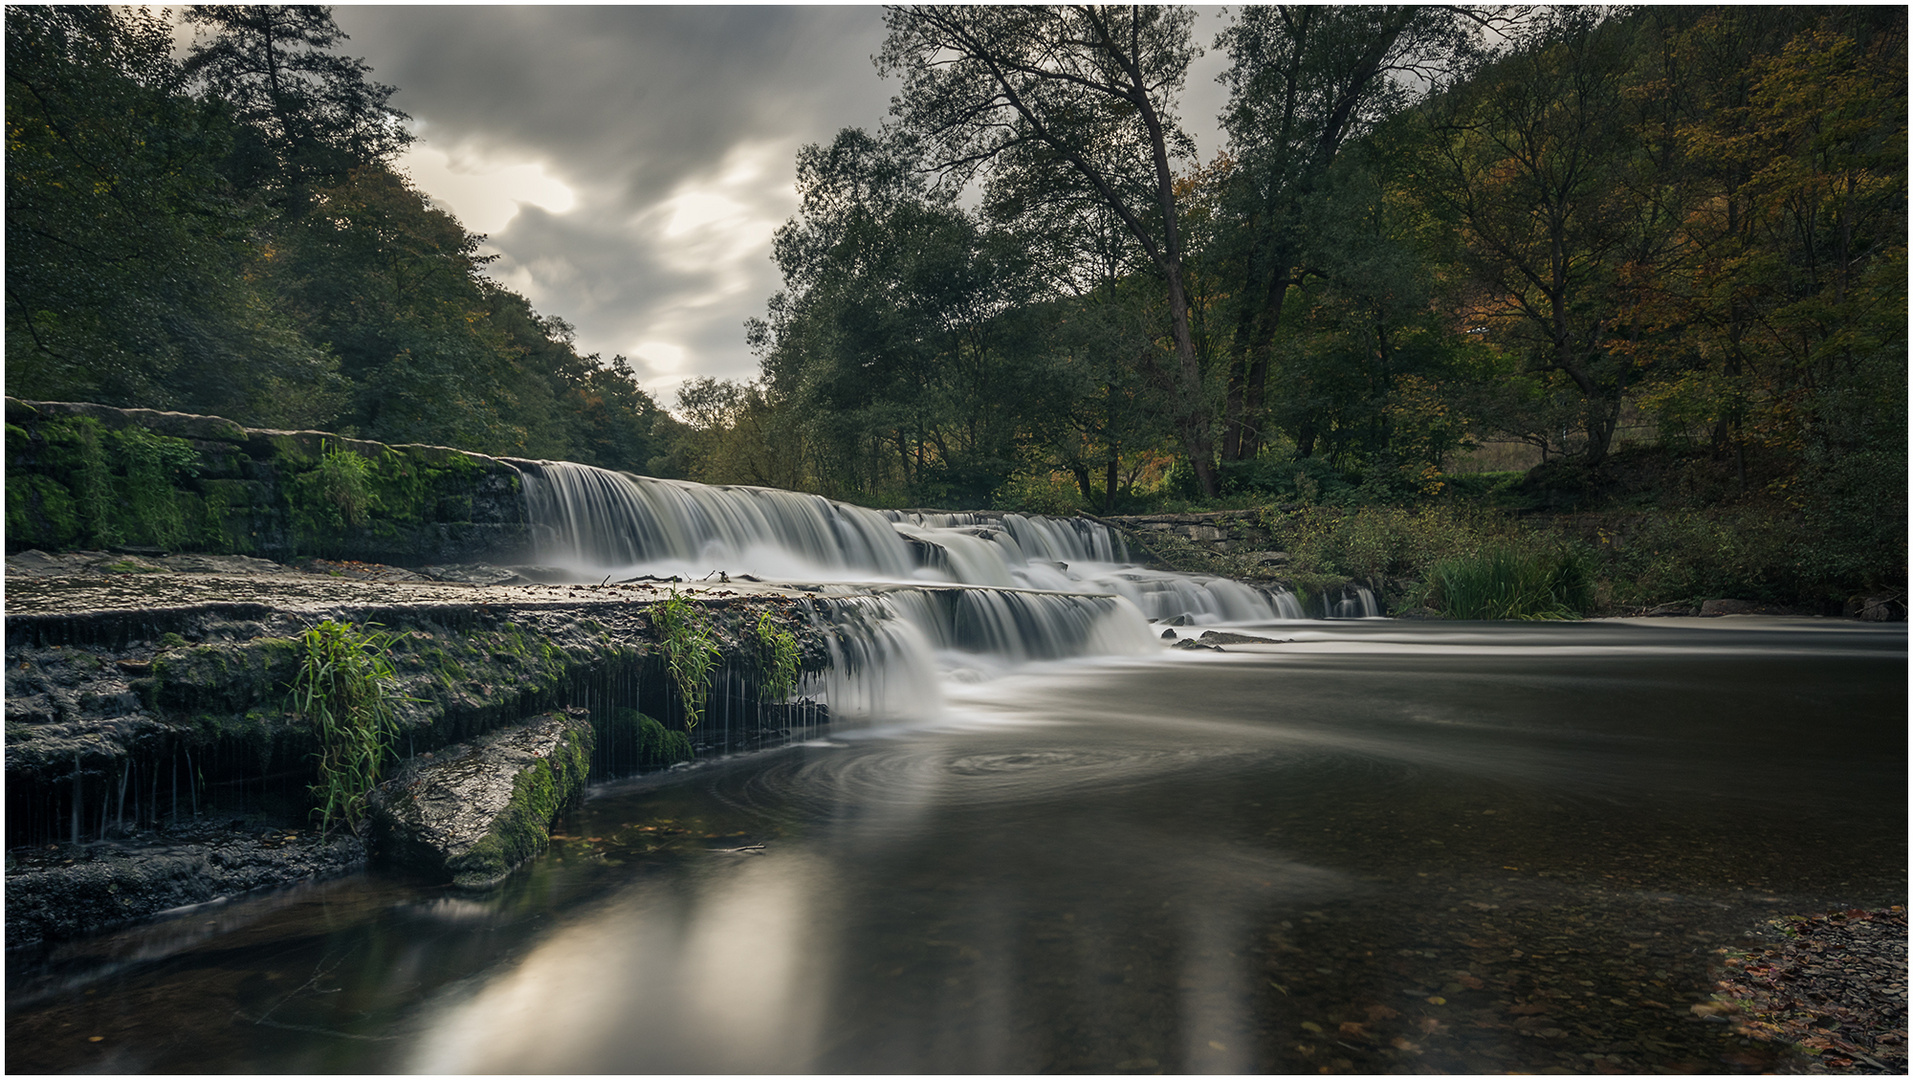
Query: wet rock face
point(66, 891)
point(475, 813)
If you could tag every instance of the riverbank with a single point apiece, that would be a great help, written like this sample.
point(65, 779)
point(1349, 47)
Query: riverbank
point(153, 759)
point(1831, 987)
point(1684, 561)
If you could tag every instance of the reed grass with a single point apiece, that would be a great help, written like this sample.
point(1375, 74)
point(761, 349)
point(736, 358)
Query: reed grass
point(1506, 582)
point(344, 689)
point(690, 652)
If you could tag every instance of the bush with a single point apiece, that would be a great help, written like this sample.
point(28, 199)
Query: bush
point(690, 652)
point(1508, 582)
point(1375, 541)
point(1690, 556)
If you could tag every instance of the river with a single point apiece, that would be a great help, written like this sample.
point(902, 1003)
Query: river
point(1378, 846)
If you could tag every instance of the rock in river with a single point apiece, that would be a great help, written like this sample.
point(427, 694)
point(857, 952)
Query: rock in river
point(475, 813)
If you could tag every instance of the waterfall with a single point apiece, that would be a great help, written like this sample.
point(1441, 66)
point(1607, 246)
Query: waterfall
point(907, 593)
point(607, 522)
point(1356, 602)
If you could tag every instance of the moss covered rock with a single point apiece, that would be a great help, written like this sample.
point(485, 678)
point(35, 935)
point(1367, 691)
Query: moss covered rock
point(474, 813)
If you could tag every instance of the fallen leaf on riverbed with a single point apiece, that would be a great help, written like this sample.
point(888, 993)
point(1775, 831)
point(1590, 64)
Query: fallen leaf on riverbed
point(1380, 1012)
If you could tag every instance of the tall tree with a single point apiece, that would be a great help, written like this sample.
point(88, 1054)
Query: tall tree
point(1085, 92)
point(1303, 81)
point(313, 114)
point(132, 270)
point(1535, 158)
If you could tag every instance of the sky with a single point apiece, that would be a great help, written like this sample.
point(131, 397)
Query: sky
point(631, 164)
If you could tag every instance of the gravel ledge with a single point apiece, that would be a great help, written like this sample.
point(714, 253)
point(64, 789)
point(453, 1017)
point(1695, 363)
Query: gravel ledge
point(1832, 988)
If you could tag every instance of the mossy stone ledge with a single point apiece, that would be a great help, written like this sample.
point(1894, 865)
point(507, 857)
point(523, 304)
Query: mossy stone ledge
point(474, 814)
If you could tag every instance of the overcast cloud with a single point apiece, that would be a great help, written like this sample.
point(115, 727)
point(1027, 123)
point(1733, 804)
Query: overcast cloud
point(631, 163)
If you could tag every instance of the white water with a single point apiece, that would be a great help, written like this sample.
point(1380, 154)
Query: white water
point(910, 597)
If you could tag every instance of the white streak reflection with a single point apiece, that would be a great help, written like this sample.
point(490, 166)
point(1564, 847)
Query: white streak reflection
point(722, 977)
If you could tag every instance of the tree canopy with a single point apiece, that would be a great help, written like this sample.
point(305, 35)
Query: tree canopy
point(230, 235)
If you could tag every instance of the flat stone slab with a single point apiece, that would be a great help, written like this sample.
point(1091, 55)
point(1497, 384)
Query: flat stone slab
point(63, 891)
point(475, 812)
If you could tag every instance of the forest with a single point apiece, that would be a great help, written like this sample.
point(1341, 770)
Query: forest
point(1458, 275)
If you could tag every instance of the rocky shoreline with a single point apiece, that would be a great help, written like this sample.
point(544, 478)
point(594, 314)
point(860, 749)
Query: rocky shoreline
point(152, 762)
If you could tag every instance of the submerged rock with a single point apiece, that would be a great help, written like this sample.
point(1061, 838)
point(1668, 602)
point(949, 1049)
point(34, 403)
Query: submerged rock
point(1224, 637)
point(477, 812)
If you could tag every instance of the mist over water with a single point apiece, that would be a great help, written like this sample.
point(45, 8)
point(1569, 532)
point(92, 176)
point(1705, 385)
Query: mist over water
point(1041, 841)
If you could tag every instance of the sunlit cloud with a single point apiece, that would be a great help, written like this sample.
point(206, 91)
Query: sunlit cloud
point(660, 356)
point(484, 193)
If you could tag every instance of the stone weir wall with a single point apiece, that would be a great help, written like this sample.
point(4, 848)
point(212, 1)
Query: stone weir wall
point(134, 726)
point(140, 481)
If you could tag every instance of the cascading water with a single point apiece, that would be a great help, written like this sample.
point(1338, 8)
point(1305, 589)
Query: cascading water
point(907, 594)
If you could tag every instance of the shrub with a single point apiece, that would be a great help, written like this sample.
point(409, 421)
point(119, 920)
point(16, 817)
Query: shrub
point(1508, 582)
point(332, 496)
point(777, 660)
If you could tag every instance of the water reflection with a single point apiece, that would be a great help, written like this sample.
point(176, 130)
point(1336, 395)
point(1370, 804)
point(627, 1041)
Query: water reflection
point(1382, 848)
point(721, 975)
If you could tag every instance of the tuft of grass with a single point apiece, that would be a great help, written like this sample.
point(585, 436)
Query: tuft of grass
point(777, 658)
point(690, 652)
point(1506, 582)
point(344, 689)
point(332, 497)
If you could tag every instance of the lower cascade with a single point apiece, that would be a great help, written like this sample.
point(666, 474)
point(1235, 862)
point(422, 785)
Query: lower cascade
point(905, 594)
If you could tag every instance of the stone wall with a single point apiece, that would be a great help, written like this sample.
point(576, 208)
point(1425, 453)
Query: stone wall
point(1235, 536)
point(147, 482)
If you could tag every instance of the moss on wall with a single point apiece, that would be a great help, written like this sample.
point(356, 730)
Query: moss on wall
point(85, 476)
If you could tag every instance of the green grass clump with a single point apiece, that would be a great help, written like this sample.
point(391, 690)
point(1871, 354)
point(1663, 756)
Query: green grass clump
point(1505, 582)
point(690, 652)
point(777, 657)
point(344, 689)
point(332, 497)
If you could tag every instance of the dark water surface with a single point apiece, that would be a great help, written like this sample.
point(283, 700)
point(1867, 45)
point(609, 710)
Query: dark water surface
point(1384, 847)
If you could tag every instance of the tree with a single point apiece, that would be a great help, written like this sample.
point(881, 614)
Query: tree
point(132, 273)
point(1534, 158)
point(1304, 81)
point(900, 339)
point(1084, 94)
point(313, 115)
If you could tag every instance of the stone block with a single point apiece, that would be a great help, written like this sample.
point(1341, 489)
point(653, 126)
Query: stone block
point(474, 812)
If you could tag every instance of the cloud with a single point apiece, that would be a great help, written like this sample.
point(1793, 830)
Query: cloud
point(629, 164)
point(484, 194)
point(632, 163)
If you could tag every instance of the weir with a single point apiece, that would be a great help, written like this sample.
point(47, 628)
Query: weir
point(616, 525)
point(904, 595)
point(146, 699)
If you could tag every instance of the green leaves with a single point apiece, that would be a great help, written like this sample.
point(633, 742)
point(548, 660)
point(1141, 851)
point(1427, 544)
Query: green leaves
point(345, 690)
point(690, 652)
point(777, 660)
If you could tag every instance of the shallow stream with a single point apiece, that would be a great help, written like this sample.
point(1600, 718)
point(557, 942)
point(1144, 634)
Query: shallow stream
point(1379, 847)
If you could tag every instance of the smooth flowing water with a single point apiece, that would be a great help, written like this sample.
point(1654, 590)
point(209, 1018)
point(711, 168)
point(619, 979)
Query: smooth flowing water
point(1378, 847)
